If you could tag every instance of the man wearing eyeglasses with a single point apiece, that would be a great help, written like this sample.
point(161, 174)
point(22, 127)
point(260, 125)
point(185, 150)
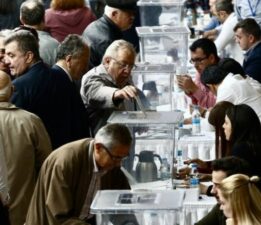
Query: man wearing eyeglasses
point(71, 176)
point(108, 87)
point(203, 53)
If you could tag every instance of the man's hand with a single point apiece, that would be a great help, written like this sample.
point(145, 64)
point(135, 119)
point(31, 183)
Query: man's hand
point(211, 34)
point(201, 164)
point(128, 92)
point(186, 83)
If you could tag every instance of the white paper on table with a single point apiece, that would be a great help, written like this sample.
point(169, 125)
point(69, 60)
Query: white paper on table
point(155, 185)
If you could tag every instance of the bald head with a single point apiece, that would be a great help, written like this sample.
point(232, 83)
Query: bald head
point(5, 86)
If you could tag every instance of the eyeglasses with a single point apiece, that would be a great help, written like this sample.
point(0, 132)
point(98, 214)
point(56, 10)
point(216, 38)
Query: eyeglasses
point(197, 60)
point(114, 157)
point(124, 65)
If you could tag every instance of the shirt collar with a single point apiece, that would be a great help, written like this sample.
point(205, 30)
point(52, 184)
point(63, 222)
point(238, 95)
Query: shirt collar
point(95, 166)
point(66, 71)
point(248, 52)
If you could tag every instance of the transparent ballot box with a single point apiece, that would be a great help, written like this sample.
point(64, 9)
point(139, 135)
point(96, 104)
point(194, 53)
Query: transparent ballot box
point(157, 83)
point(151, 156)
point(160, 12)
point(124, 207)
point(163, 44)
point(200, 146)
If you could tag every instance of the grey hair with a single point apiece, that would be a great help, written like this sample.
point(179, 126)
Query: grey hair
point(116, 46)
point(26, 42)
point(113, 135)
point(73, 45)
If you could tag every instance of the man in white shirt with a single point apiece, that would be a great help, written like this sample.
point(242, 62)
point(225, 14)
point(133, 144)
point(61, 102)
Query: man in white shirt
point(225, 42)
point(228, 82)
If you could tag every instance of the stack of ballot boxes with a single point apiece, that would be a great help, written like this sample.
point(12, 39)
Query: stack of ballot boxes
point(163, 39)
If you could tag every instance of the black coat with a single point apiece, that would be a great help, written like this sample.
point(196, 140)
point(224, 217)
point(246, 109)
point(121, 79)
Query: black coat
point(51, 95)
point(99, 35)
point(70, 115)
point(252, 63)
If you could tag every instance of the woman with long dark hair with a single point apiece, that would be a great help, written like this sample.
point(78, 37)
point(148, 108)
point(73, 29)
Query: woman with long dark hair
point(243, 130)
point(217, 118)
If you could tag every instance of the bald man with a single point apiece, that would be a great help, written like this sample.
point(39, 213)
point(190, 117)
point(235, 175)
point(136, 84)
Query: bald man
point(26, 145)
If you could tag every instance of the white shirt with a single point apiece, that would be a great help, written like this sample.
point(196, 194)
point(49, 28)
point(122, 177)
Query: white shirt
point(248, 9)
point(226, 40)
point(237, 90)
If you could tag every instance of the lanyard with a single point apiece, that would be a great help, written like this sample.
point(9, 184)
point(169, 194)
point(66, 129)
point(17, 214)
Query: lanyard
point(253, 10)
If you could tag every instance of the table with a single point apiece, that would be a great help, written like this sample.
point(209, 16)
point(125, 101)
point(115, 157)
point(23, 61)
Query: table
point(194, 210)
point(193, 207)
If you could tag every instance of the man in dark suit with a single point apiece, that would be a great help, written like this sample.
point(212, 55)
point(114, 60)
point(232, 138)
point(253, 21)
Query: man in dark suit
point(33, 77)
point(39, 91)
point(71, 116)
point(248, 36)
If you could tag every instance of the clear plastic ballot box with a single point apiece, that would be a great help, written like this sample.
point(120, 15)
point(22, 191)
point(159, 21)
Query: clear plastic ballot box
point(163, 44)
point(158, 83)
point(124, 207)
point(152, 153)
point(161, 12)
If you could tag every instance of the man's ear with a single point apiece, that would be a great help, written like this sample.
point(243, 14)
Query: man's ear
point(251, 38)
point(106, 61)
point(68, 60)
point(29, 57)
point(212, 59)
point(98, 147)
point(114, 13)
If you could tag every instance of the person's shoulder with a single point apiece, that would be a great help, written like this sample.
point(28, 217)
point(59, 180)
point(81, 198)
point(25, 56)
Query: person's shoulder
point(94, 72)
point(73, 151)
point(97, 27)
point(256, 51)
point(46, 37)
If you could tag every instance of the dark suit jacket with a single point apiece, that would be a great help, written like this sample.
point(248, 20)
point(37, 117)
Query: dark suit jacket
point(32, 92)
point(252, 63)
point(70, 113)
point(51, 95)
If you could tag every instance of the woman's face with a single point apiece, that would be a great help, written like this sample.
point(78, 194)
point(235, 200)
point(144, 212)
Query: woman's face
point(225, 205)
point(227, 128)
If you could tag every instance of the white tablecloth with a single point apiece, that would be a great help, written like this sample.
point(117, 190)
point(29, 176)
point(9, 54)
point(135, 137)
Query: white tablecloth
point(194, 210)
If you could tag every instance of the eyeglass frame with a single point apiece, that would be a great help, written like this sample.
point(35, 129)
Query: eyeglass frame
point(124, 65)
point(113, 157)
point(198, 60)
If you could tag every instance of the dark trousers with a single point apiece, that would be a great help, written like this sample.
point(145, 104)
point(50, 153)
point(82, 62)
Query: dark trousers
point(4, 218)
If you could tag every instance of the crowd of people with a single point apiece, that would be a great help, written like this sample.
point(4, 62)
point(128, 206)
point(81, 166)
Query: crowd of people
point(65, 66)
